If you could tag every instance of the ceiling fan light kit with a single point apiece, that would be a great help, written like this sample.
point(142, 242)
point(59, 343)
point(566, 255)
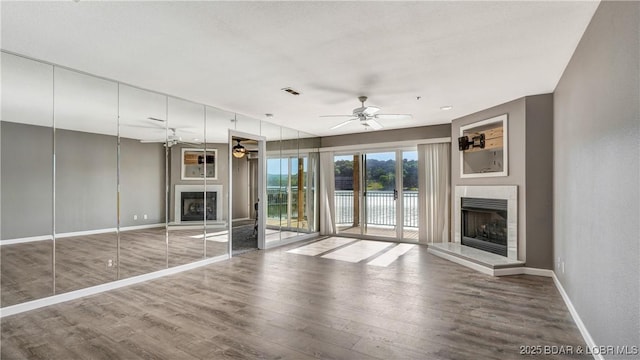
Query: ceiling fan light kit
point(239, 151)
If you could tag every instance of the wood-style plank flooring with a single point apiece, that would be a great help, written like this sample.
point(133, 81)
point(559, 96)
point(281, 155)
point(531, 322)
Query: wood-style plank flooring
point(278, 305)
point(26, 271)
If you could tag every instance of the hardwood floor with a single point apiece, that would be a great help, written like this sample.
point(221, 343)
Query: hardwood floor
point(274, 304)
point(26, 271)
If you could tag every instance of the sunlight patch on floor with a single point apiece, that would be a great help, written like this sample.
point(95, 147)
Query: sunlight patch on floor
point(353, 250)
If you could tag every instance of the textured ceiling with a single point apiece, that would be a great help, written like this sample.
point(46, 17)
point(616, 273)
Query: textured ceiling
point(238, 56)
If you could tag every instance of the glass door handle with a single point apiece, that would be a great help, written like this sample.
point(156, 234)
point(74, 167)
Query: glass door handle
point(395, 194)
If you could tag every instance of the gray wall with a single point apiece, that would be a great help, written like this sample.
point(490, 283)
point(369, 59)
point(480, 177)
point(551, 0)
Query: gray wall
point(86, 181)
point(516, 111)
point(539, 180)
point(597, 175)
point(142, 179)
point(27, 186)
point(372, 137)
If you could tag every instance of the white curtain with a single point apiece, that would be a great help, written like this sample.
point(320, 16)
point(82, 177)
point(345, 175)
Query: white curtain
point(312, 185)
point(434, 169)
point(327, 189)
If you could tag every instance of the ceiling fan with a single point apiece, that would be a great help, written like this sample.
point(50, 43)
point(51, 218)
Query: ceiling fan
point(367, 115)
point(170, 139)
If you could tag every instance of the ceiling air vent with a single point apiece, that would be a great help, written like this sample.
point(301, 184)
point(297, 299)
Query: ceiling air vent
point(291, 91)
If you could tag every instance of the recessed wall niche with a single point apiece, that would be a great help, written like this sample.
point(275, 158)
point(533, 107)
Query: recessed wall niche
point(483, 148)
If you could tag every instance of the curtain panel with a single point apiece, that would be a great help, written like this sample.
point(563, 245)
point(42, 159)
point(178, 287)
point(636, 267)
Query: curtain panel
point(434, 169)
point(327, 190)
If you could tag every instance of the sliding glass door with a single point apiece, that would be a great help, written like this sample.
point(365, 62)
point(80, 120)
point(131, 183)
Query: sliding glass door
point(380, 194)
point(376, 194)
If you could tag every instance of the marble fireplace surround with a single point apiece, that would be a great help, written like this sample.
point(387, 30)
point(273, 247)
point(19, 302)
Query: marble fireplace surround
point(509, 193)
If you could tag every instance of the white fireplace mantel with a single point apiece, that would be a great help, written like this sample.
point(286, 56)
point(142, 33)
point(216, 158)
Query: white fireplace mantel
point(177, 200)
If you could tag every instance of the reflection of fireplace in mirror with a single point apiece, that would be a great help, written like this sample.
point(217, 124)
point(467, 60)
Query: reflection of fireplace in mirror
point(484, 224)
point(193, 205)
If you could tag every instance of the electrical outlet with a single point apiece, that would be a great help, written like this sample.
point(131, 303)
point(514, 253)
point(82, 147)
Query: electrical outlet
point(135, 217)
point(110, 263)
point(562, 266)
point(145, 216)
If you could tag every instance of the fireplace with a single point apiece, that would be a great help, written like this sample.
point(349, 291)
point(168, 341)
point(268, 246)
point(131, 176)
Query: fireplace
point(194, 206)
point(484, 224)
point(189, 204)
point(486, 218)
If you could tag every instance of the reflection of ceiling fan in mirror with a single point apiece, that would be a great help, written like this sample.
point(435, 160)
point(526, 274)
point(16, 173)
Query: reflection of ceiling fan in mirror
point(172, 137)
point(367, 116)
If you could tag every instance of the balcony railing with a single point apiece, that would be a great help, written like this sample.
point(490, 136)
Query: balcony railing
point(380, 210)
point(381, 207)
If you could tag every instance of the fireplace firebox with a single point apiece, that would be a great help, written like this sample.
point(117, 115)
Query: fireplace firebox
point(484, 224)
point(193, 205)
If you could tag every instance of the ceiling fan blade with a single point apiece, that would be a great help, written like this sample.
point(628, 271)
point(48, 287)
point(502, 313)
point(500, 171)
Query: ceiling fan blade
point(192, 143)
point(336, 115)
point(152, 141)
point(393, 116)
point(152, 127)
point(156, 119)
point(370, 110)
point(343, 123)
point(373, 124)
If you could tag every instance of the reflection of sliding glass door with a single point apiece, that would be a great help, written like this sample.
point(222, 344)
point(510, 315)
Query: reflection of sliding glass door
point(287, 192)
point(377, 195)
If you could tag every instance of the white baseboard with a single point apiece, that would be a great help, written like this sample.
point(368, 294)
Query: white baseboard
point(142, 227)
point(77, 233)
point(85, 233)
point(574, 314)
point(72, 295)
point(25, 240)
point(523, 271)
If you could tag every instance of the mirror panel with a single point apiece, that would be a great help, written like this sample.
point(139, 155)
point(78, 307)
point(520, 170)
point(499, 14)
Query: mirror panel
point(308, 151)
point(189, 165)
point(273, 208)
point(143, 247)
point(26, 150)
point(218, 123)
point(86, 146)
point(97, 163)
point(291, 177)
point(244, 166)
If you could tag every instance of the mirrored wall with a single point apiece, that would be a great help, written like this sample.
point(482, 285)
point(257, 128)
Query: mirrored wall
point(103, 181)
